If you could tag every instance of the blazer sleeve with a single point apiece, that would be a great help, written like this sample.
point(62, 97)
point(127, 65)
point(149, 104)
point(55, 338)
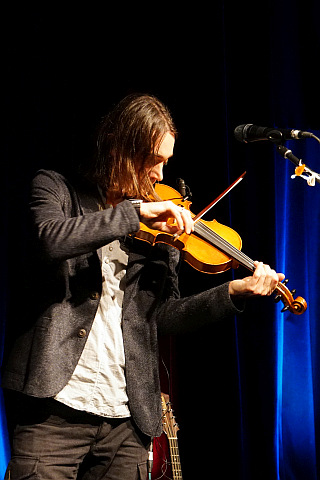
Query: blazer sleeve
point(183, 315)
point(61, 231)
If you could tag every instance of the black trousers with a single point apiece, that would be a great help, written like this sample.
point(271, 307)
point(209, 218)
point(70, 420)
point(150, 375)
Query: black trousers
point(51, 441)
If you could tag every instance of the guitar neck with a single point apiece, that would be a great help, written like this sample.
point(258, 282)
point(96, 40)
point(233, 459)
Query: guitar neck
point(175, 458)
point(170, 427)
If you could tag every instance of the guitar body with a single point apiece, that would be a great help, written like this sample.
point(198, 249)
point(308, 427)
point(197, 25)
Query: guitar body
point(161, 459)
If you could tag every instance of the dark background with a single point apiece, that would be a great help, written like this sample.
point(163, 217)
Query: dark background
point(215, 66)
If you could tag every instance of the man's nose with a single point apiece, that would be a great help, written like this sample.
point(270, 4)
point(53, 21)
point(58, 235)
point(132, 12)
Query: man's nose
point(158, 172)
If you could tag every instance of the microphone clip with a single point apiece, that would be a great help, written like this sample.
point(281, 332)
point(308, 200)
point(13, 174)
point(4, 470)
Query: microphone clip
point(184, 189)
point(276, 137)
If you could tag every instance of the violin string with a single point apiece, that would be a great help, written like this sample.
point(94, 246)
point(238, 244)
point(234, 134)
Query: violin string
point(225, 246)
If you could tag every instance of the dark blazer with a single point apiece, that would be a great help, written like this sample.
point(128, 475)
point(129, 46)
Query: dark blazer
point(53, 322)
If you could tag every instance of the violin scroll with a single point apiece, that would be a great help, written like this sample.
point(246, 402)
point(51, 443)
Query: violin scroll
point(296, 306)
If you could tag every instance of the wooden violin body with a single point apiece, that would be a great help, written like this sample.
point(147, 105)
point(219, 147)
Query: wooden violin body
point(196, 251)
point(212, 248)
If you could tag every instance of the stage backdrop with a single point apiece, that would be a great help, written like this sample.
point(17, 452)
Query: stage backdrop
point(245, 392)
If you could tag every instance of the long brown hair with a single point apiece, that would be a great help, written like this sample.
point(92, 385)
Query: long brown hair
point(126, 139)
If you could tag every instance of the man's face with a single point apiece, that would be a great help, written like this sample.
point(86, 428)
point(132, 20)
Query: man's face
point(158, 160)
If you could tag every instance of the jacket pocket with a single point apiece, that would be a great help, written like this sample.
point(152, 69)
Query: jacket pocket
point(22, 468)
point(142, 470)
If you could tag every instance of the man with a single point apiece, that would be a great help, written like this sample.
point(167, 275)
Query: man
point(83, 367)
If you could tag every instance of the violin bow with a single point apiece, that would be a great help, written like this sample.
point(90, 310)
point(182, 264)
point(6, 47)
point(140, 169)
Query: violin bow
point(208, 207)
point(223, 194)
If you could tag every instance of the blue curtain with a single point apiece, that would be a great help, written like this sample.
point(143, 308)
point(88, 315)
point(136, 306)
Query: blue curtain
point(4, 444)
point(297, 221)
point(298, 339)
point(286, 90)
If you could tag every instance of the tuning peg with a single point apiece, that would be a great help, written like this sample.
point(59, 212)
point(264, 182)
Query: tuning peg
point(277, 298)
point(293, 292)
point(285, 308)
point(285, 281)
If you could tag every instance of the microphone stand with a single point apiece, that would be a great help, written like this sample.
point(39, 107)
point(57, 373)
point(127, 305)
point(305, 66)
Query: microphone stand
point(302, 170)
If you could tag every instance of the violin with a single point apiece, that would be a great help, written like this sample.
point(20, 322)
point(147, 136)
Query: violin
point(212, 248)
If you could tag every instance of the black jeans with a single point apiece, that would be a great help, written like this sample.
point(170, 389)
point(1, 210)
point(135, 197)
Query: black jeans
point(54, 442)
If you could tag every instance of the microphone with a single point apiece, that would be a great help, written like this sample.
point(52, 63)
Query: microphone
point(252, 133)
point(181, 187)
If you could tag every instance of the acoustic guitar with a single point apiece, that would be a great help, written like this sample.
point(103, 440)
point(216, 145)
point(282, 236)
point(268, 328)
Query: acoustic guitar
point(170, 428)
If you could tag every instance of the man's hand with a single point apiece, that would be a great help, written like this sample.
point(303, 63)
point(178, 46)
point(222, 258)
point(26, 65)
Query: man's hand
point(263, 282)
point(155, 215)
